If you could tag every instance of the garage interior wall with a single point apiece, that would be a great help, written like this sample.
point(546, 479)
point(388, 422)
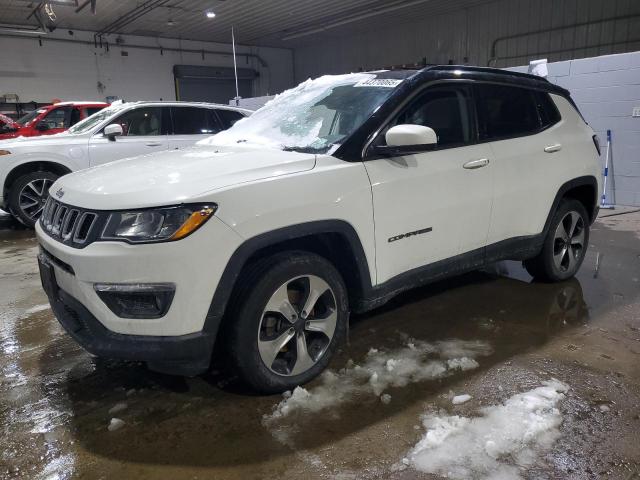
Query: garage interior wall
point(467, 35)
point(77, 71)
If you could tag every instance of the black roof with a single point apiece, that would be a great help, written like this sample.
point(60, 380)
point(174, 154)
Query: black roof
point(441, 72)
point(351, 148)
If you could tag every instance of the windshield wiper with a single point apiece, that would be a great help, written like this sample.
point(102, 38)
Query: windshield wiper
point(304, 149)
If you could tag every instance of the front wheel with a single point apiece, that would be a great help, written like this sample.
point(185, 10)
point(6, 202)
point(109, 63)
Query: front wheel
point(564, 246)
point(290, 314)
point(28, 195)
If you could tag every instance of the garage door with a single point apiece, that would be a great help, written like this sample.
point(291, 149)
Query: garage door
point(211, 84)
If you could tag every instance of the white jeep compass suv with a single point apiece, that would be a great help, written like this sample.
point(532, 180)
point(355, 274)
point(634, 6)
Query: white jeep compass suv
point(30, 165)
point(332, 198)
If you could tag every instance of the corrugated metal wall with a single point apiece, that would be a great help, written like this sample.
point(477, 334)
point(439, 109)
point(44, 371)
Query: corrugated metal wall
point(504, 29)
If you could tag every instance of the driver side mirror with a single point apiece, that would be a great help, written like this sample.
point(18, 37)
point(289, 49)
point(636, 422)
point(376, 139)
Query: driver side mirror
point(42, 126)
point(112, 131)
point(407, 140)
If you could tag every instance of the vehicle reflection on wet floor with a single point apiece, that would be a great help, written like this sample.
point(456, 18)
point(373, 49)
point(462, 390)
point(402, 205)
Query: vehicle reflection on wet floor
point(56, 401)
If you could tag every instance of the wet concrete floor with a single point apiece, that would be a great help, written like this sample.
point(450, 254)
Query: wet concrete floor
point(55, 399)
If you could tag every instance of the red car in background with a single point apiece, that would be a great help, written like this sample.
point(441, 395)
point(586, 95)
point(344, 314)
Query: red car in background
point(51, 119)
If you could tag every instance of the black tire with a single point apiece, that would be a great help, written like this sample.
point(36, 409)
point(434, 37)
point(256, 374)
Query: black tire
point(544, 266)
point(20, 188)
point(257, 285)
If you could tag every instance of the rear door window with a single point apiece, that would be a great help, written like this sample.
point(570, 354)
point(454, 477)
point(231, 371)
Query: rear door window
point(229, 117)
point(57, 118)
point(92, 110)
point(75, 116)
point(194, 121)
point(506, 111)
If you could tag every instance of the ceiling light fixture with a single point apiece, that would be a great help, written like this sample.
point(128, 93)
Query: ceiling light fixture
point(210, 14)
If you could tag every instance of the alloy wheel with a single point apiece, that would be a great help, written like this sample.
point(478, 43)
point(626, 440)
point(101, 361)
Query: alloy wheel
point(297, 325)
point(33, 197)
point(568, 244)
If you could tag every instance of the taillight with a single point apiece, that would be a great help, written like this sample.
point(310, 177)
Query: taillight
point(596, 142)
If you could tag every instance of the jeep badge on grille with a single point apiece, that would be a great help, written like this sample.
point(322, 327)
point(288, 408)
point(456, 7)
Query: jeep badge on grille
point(60, 193)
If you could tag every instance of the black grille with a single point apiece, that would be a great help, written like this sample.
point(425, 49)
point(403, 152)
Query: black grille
point(72, 226)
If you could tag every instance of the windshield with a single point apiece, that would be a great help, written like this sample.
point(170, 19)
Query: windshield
point(88, 123)
point(4, 120)
point(29, 117)
point(315, 116)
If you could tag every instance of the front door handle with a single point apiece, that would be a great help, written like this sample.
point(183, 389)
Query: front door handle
point(153, 144)
point(473, 164)
point(553, 148)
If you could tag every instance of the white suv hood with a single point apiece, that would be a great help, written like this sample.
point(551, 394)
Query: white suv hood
point(174, 177)
point(42, 142)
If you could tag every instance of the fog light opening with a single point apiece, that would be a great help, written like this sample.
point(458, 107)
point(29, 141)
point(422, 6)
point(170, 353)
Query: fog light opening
point(141, 300)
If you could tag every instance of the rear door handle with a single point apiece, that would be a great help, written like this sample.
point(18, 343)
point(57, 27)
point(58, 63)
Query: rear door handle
point(153, 144)
point(473, 164)
point(553, 148)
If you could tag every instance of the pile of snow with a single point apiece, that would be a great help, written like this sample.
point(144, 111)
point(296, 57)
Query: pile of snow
point(287, 119)
point(460, 399)
point(495, 445)
point(115, 424)
point(415, 362)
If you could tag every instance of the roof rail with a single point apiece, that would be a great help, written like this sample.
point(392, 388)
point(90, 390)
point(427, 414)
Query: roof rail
point(497, 71)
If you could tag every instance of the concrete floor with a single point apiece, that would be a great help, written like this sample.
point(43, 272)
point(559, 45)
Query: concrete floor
point(55, 399)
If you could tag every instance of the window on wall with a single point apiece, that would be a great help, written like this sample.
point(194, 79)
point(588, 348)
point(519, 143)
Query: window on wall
point(445, 109)
point(506, 111)
point(194, 121)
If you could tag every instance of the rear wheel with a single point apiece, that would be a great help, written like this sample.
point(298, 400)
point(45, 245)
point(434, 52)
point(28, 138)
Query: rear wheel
point(564, 246)
point(28, 195)
point(289, 316)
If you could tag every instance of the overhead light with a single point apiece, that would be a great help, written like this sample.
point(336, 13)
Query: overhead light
point(210, 14)
point(21, 29)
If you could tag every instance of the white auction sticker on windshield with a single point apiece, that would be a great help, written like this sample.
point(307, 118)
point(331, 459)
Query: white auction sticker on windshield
point(379, 82)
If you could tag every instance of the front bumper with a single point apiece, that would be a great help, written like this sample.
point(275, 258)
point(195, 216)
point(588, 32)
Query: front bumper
point(187, 355)
point(177, 342)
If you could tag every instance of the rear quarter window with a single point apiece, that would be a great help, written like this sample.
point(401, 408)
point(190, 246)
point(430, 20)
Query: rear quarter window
point(547, 110)
point(506, 111)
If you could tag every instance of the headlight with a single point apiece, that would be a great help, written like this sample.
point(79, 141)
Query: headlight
point(158, 224)
point(4, 152)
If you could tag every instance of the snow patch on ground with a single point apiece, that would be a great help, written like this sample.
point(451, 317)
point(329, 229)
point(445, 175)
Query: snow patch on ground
point(115, 424)
point(36, 309)
point(416, 362)
point(497, 444)
point(460, 399)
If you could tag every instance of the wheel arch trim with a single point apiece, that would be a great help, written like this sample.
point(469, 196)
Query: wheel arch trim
point(588, 181)
point(249, 247)
point(24, 168)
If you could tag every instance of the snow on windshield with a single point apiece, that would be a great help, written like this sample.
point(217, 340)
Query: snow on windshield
point(314, 115)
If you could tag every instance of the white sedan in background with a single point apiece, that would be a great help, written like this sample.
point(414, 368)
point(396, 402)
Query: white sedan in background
point(29, 166)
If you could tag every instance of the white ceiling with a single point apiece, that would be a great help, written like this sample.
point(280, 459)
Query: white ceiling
point(282, 23)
